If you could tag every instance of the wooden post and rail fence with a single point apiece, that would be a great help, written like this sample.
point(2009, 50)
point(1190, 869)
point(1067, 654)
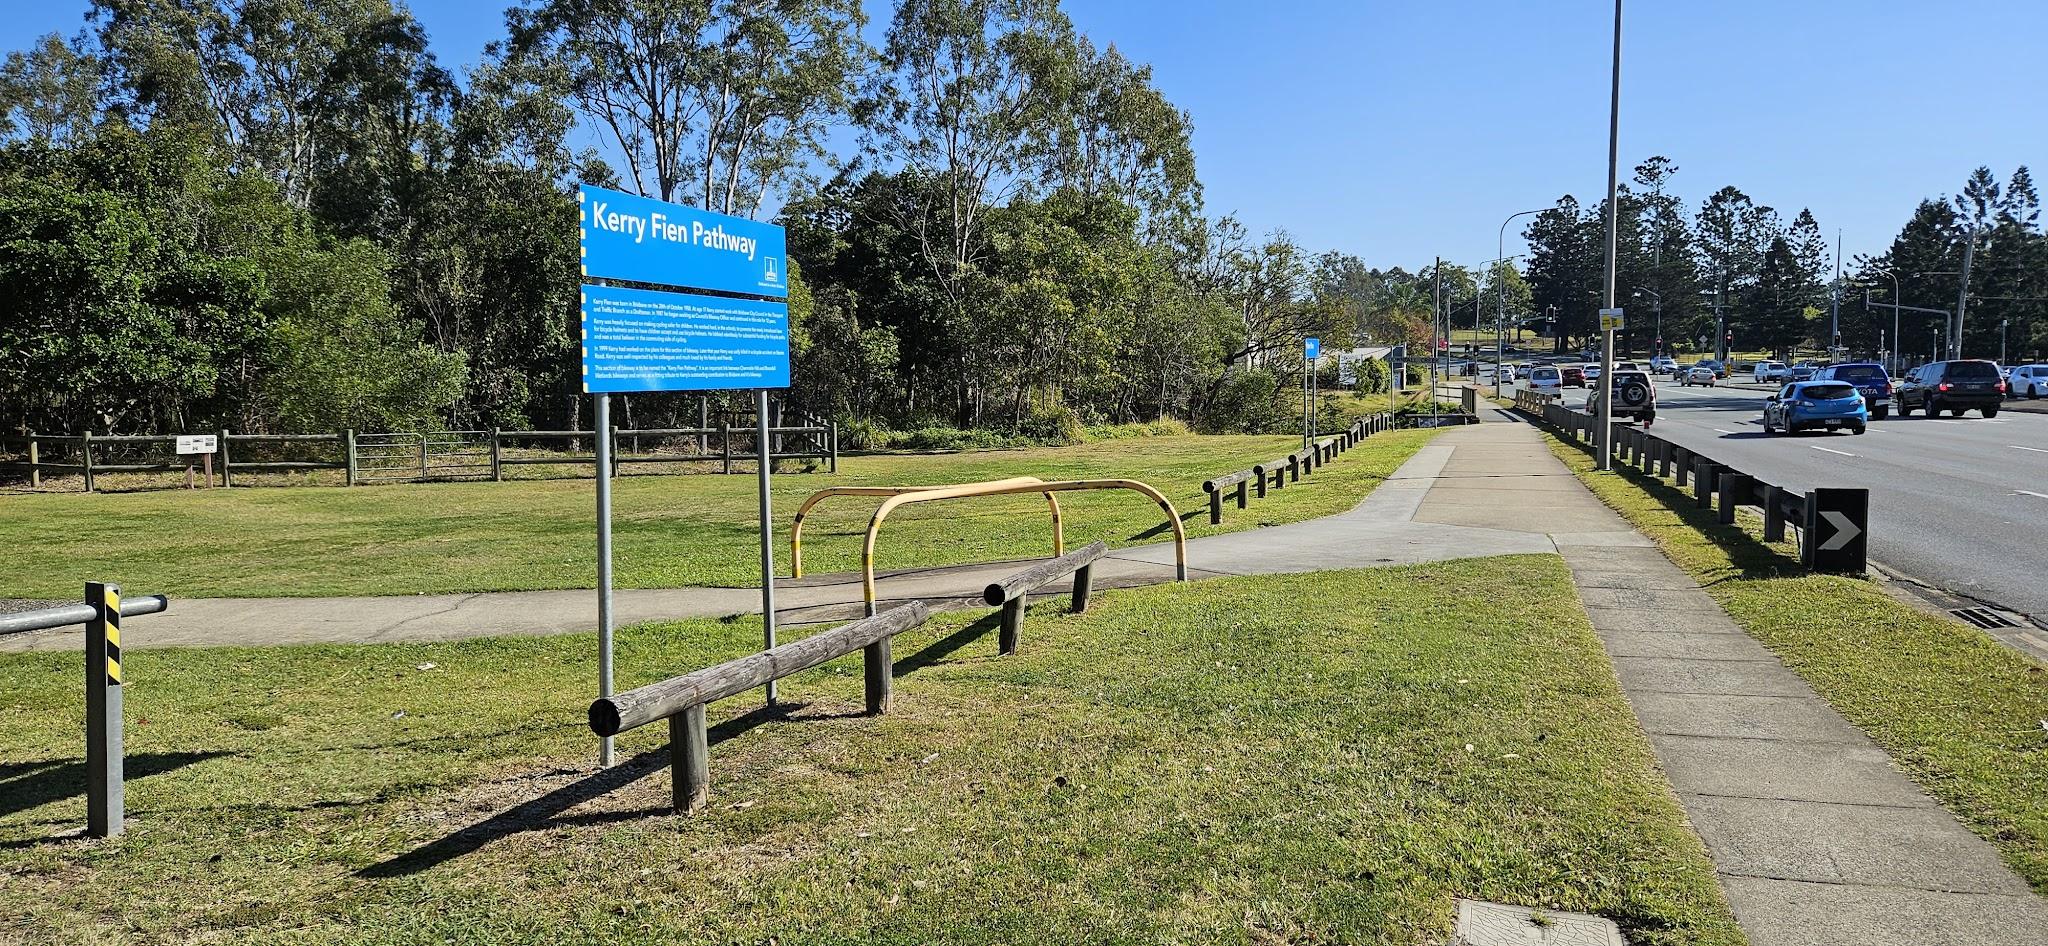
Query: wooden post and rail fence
point(407, 457)
point(1239, 487)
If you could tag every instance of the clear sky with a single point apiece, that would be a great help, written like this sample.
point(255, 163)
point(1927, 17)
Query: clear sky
point(1401, 131)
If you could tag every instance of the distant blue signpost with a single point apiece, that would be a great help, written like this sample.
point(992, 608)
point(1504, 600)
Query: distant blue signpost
point(1311, 348)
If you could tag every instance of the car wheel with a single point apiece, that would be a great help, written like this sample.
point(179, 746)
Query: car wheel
point(1858, 430)
point(1990, 412)
point(2033, 392)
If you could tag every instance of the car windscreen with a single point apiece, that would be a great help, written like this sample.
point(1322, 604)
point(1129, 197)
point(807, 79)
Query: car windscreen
point(1972, 370)
point(1828, 392)
point(1859, 373)
point(1544, 373)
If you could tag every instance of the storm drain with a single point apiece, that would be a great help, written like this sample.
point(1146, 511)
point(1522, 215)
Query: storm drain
point(1983, 617)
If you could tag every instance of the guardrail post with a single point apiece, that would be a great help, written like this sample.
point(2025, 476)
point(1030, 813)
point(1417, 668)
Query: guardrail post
point(1013, 621)
point(878, 676)
point(1664, 453)
point(1242, 493)
point(1703, 475)
point(103, 789)
point(1734, 486)
point(1682, 460)
point(497, 471)
point(1774, 514)
point(1084, 582)
point(689, 751)
point(85, 457)
point(35, 473)
point(348, 459)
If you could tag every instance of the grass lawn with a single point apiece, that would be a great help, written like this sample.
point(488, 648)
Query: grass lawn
point(1276, 759)
point(669, 531)
point(1960, 713)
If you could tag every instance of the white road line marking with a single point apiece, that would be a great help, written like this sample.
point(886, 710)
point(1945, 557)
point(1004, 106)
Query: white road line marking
point(1720, 431)
point(2032, 449)
point(2032, 493)
point(1835, 452)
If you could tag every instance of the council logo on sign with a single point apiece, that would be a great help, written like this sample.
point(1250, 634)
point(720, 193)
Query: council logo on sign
point(771, 271)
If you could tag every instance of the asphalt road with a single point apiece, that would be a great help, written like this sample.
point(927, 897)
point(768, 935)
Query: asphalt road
point(1959, 503)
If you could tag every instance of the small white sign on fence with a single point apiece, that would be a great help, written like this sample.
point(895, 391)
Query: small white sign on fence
point(189, 444)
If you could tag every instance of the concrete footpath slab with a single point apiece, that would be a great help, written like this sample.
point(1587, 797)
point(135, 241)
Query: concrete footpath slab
point(1817, 838)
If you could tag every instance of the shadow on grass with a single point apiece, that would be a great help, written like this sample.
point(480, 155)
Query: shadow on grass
point(26, 785)
point(944, 647)
point(548, 811)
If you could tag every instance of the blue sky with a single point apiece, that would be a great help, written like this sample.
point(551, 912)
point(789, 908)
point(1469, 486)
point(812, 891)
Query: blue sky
point(1401, 131)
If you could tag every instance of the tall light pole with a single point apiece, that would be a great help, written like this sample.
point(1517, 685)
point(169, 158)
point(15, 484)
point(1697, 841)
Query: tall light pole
point(1893, 363)
point(1500, 249)
point(1955, 336)
point(2002, 323)
point(1604, 439)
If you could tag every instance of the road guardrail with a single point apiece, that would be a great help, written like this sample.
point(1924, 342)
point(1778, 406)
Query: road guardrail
point(1833, 522)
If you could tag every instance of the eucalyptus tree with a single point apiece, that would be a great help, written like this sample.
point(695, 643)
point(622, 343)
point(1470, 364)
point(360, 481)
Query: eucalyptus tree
point(714, 102)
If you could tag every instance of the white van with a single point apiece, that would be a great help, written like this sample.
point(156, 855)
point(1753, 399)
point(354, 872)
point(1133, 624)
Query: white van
point(1546, 378)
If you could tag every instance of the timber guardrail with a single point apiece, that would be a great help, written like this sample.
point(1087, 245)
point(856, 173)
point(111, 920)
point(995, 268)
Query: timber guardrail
point(1011, 593)
point(1833, 522)
point(1241, 485)
point(681, 699)
point(101, 613)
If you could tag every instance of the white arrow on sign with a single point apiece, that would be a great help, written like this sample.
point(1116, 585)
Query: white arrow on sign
point(1845, 531)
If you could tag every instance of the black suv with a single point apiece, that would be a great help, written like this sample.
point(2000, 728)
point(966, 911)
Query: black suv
point(1952, 386)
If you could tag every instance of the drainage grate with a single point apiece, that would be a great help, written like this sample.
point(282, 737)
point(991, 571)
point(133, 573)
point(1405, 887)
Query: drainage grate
point(1983, 617)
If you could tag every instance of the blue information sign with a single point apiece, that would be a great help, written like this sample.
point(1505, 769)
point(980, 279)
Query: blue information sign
point(637, 340)
point(1311, 348)
point(653, 241)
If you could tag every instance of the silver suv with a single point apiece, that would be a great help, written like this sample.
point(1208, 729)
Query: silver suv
point(1634, 396)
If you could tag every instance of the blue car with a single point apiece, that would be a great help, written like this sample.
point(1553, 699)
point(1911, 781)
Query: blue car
point(1816, 405)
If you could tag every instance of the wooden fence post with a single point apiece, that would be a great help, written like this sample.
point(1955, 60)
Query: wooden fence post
point(348, 460)
point(834, 434)
point(689, 748)
point(1013, 622)
point(1242, 486)
point(35, 456)
point(878, 674)
point(1084, 581)
point(85, 457)
point(227, 461)
point(1215, 507)
point(423, 456)
point(725, 440)
point(497, 470)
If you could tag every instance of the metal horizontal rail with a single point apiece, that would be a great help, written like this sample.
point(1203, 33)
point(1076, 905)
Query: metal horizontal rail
point(66, 615)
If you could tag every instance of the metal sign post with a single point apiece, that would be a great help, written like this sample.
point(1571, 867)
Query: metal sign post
point(765, 452)
point(1310, 349)
point(603, 420)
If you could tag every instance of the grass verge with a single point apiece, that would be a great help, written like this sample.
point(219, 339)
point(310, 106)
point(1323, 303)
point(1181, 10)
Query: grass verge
point(670, 531)
point(1298, 759)
point(1964, 716)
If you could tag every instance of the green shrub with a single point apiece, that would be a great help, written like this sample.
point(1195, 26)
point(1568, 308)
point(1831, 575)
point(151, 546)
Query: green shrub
point(1163, 427)
point(1053, 426)
point(867, 433)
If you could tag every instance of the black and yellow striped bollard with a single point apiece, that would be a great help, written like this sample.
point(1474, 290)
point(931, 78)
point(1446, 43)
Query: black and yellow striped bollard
point(103, 793)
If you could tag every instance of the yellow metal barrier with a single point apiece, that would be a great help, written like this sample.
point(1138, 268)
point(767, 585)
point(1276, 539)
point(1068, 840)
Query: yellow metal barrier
point(796, 526)
point(867, 549)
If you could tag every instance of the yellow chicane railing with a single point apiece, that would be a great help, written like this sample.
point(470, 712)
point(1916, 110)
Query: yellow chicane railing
point(905, 495)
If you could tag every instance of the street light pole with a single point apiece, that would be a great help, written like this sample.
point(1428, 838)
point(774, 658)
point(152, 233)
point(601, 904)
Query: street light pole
point(1500, 250)
point(1604, 441)
point(1893, 367)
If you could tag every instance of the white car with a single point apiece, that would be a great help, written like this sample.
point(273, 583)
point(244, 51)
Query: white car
point(1769, 372)
point(2028, 381)
point(1697, 374)
point(1546, 378)
point(1592, 369)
